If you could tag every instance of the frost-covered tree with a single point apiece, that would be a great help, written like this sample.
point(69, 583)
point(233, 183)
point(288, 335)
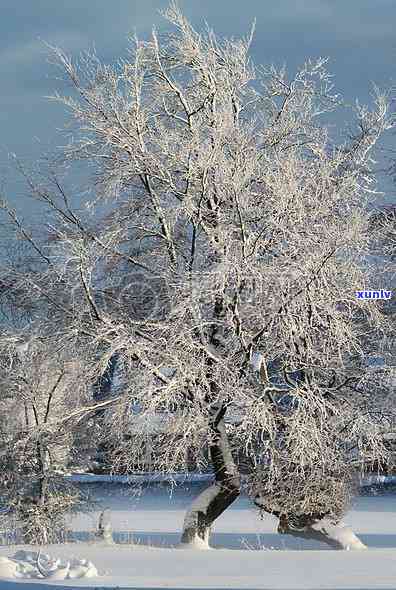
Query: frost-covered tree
point(382, 226)
point(233, 240)
point(40, 386)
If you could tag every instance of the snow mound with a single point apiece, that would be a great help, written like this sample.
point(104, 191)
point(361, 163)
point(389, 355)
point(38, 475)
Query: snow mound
point(33, 565)
point(341, 533)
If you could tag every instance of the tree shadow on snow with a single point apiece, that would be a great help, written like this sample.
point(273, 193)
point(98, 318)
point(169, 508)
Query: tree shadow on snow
point(235, 541)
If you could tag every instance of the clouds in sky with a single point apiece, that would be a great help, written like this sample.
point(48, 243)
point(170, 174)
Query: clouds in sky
point(357, 35)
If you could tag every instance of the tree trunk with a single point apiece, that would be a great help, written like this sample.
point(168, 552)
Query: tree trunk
point(103, 385)
point(104, 532)
point(102, 389)
point(34, 527)
point(320, 528)
point(212, 502)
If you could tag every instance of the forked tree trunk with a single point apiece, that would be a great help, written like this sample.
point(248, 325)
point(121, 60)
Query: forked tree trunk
point(324, 529)
point(212, 502)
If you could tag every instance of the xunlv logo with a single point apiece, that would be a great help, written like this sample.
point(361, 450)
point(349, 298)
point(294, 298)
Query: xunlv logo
point(374, 294)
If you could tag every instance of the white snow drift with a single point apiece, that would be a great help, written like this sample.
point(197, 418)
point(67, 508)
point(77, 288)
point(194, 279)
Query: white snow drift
point(33, 565)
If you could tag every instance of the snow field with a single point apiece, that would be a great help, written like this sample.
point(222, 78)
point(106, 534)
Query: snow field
point(246, 552)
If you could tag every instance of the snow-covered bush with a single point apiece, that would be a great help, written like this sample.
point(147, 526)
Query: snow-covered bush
point(40, 388)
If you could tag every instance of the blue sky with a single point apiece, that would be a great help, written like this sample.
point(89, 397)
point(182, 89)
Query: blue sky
point(358, 36)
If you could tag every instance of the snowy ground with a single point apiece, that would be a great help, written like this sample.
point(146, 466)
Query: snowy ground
point(247, 552)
